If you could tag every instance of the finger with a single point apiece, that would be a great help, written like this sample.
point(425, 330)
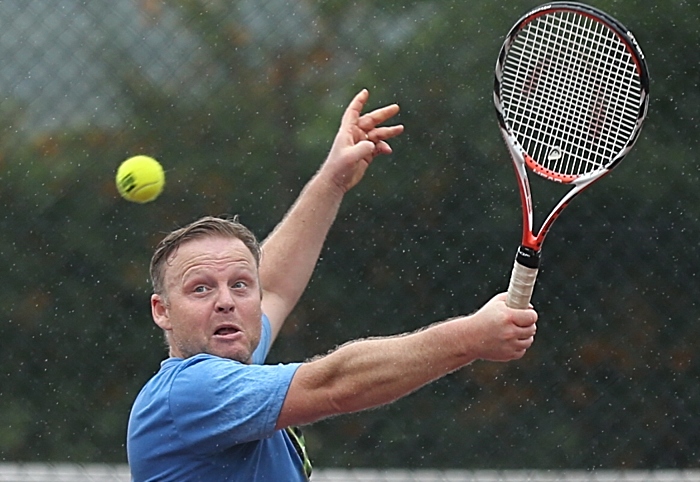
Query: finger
point(382, 147)
point(358, 134)
point(371, 119)
point(363, 150)
point(515, 354)
point(351, 115)
point(525, 318)
point(383, 133)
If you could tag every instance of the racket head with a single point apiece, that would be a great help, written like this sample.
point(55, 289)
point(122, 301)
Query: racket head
point(571, 91)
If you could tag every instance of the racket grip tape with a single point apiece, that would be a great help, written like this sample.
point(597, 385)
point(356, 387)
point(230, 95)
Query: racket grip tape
point(522, 279)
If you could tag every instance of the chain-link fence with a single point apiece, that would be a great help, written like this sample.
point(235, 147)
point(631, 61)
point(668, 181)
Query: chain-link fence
point(239, 100)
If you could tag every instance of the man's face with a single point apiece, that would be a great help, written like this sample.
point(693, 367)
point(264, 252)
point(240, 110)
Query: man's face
point(212, 300)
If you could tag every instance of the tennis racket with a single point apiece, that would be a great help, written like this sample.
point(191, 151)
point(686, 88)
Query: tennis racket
point(571, 92)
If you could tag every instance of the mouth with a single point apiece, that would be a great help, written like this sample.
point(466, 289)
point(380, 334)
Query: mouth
point(227, 331)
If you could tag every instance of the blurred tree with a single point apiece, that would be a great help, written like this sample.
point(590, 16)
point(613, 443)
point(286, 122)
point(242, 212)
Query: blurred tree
point(241, 123)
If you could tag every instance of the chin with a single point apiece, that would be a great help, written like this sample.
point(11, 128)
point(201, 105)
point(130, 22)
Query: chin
point(240, 352)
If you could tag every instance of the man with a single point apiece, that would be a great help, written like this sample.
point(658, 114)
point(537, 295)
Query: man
point(214, 412)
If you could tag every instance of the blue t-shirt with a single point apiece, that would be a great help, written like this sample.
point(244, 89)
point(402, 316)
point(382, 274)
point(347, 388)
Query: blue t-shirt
point(208, 418)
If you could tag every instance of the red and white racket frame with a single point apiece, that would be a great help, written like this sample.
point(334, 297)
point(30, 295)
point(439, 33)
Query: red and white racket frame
point(527, 259)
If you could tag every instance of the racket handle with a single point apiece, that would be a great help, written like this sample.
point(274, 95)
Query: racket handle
point(522, 279)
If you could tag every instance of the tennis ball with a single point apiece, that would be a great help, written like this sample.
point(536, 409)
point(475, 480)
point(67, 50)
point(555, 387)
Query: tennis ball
point(140, 179)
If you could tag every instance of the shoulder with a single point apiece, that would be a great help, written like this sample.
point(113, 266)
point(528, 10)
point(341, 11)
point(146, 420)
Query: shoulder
point(211, 374)
point(203, 368)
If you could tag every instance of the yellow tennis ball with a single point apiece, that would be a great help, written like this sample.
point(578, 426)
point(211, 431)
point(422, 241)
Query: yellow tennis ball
point(140, 179)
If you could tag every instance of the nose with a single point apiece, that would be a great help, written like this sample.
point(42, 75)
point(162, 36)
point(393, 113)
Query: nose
point(224, 302)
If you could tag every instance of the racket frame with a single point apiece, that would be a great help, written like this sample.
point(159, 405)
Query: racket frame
point(528, 255)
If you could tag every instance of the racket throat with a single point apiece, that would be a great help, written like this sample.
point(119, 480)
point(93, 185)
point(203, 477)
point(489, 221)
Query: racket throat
point(528, 257)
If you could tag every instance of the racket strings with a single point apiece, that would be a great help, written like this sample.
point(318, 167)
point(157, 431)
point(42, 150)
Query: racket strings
point(571, 93)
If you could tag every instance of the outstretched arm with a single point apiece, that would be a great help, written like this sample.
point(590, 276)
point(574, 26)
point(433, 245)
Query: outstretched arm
point(291, 251)
point(373, 372)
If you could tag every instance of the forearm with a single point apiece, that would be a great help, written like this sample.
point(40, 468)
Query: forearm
point(374, 372)
point(369, 373)
point(291, 251)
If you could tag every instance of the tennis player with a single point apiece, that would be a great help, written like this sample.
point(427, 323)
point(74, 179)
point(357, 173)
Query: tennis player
point(215, 411)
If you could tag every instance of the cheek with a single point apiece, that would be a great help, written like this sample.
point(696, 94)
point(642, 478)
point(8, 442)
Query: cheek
point(188, 316)
point(252, 307)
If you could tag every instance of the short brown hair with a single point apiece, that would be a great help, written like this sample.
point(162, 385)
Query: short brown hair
point(225, 226)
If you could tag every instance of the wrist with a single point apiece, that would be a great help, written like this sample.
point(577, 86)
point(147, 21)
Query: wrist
point(453, 341)
point(328, 184)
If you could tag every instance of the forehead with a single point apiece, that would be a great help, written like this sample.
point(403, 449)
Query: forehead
point(209, 251)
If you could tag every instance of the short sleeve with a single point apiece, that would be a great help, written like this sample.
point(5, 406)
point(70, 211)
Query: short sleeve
point(217, 403)
point(265, 344)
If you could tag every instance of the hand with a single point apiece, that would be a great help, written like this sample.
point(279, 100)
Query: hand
point(359, 141)
point(502, 333)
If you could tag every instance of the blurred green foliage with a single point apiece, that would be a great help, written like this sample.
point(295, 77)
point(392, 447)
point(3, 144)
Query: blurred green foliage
point(430, 233)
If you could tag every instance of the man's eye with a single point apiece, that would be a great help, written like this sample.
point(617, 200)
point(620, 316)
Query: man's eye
point(239, 284)
point(200, 289)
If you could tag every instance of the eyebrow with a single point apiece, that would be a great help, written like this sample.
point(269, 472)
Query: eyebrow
point(239, 270)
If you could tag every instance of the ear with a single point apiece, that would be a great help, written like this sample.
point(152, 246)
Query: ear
point(160, 312)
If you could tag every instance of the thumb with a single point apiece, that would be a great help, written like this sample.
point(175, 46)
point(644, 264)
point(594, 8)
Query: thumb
point(362, 150)
point(357, 160)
